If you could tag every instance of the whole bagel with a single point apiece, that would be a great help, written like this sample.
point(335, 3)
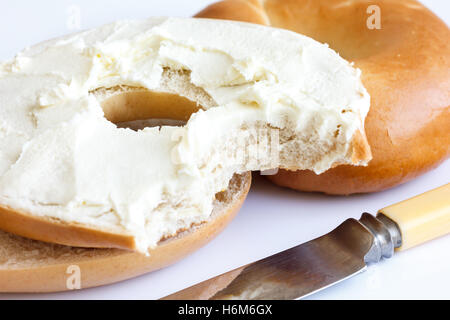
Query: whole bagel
point(405, 67)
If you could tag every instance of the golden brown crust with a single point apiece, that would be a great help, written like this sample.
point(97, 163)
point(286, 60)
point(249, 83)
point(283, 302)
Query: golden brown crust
point(105, 266)
point(361, 152)
point(57, 231)
point(406, 69)
point(241, 10)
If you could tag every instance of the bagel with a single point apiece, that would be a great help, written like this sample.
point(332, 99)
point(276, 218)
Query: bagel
point(405, 68)
point(33, 266)
point(69, 175)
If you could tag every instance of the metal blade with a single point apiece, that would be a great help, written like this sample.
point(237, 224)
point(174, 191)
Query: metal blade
point(293, 273)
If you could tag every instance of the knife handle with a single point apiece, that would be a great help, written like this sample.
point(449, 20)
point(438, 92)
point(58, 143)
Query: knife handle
point(421, 218)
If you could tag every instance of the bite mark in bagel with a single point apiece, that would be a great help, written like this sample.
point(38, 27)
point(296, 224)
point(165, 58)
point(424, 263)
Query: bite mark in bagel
point(405, 68)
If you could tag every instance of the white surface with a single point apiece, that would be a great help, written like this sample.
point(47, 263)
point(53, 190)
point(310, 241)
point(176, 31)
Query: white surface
point(272, 219)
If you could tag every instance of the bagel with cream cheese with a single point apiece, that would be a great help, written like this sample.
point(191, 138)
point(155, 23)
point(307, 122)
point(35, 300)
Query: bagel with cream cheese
point(405, 68)
point(34, 266)
point(70, 175)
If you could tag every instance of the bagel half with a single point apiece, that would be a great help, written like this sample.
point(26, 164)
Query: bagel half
point(405, 67)
point(34, 266)
point(71, 174)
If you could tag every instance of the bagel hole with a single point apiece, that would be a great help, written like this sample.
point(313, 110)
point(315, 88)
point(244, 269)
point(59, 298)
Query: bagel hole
point(137, 108)
point(137, 125)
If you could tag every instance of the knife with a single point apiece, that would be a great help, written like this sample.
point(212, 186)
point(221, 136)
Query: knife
point(344, 252)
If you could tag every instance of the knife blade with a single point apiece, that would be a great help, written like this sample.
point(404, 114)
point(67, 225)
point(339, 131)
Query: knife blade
point(344, 252)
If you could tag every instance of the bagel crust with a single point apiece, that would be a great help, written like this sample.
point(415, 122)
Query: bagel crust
point(405, 67)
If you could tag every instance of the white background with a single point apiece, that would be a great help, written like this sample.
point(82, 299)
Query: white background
point(272, 219)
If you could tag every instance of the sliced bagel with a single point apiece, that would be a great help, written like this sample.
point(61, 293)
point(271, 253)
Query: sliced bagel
point(405, 67)
point(254, 98)
point(34, 266)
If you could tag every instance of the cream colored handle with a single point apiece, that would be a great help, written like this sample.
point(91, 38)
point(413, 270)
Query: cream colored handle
point(422, 218)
